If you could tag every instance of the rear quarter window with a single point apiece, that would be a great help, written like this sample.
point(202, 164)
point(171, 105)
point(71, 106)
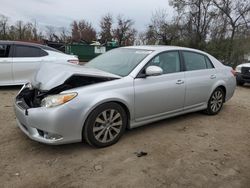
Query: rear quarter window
point(43, 53)
point(209, 63)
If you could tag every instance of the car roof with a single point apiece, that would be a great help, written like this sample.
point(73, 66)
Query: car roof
point(28, 44)
point(19, 42)
point(160, 48)
point(44, 47)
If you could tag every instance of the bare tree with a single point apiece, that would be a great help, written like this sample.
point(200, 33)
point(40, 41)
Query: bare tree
point(20, 30)
point(35, 31)
point(142, 39)
point(124, 33)
point(75, 32)
point(161, 30)
point(50, 32)
point(150, 37)
point(106, 28)
point(3, 27)
point(197, 15)
point(237, 17)
point(83, 31)
point(64, 35)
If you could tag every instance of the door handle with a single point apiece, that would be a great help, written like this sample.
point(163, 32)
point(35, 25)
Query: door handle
point(213, 76)
point(180, 82)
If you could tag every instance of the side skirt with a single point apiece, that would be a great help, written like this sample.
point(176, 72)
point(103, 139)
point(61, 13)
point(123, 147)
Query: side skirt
point(134, 124)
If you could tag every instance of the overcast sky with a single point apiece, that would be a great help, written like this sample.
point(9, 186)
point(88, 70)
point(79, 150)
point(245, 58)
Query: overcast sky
point(61, 13)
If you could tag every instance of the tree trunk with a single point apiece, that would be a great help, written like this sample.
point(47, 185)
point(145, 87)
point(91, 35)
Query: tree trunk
point(230, 49)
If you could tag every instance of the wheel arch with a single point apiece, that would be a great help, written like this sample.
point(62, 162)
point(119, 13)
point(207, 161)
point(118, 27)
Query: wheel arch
point(118, 101)
point(224, 90)
point(126, 110)
point(220, 84)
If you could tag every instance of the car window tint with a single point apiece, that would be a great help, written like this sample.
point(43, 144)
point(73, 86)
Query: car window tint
point(209, 63)
point(168, 61)
point(27, 51)
point(4, 50)
point(194, 61)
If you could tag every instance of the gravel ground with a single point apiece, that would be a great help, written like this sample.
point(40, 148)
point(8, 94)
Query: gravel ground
point(193, 150)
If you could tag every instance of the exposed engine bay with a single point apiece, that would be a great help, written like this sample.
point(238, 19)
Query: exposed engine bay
point(32, 97)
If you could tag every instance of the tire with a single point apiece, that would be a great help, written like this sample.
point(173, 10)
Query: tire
point(215, 102)
point(105, 125)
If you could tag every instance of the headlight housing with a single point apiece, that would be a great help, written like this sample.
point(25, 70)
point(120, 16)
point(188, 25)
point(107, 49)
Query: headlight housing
point(56, 100)
point(238, 69)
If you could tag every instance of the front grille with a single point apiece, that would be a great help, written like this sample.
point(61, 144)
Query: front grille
point(245, 71)
point(22, 104)
point(29, 98)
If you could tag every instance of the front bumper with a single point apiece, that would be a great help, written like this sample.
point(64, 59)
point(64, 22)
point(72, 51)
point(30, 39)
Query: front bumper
point(242, 78)
point(61, 123)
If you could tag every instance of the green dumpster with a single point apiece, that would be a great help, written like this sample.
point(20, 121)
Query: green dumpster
point(86, 52)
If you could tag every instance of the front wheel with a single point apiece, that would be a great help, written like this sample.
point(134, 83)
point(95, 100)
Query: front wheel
point(215, 102)
point(105, 125)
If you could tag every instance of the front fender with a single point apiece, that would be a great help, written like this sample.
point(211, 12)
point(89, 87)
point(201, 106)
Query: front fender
point(97, 100)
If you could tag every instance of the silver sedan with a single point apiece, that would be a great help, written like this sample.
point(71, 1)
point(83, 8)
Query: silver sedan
point(123, 88)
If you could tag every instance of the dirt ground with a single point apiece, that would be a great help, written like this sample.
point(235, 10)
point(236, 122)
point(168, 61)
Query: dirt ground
point(193, 150)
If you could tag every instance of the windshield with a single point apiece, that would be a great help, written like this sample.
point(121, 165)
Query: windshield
point(120, 61)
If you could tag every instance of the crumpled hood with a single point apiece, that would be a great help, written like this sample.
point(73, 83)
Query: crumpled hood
point(51, 75)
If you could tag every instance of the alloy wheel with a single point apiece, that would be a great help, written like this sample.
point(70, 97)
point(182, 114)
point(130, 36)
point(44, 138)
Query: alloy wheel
point(216, 101)
point(107, 126)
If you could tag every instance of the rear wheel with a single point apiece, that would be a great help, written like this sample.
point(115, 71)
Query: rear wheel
point(215, 102)
point(105, 125)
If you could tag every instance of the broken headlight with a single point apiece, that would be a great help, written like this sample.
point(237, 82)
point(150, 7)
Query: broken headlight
point(56, 100)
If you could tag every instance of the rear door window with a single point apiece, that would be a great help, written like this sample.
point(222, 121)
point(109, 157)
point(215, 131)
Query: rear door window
point(195, 61)
point(28, 51)
point(4, 50)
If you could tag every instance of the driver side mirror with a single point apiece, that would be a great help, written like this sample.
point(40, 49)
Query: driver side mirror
point(153, 71)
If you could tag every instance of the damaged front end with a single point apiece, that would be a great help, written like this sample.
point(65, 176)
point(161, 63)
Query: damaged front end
point(53, 86)
point(31, 97)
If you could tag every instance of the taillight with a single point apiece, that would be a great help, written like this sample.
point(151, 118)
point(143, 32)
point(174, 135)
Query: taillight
point(74, 61)
point(233, 72)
